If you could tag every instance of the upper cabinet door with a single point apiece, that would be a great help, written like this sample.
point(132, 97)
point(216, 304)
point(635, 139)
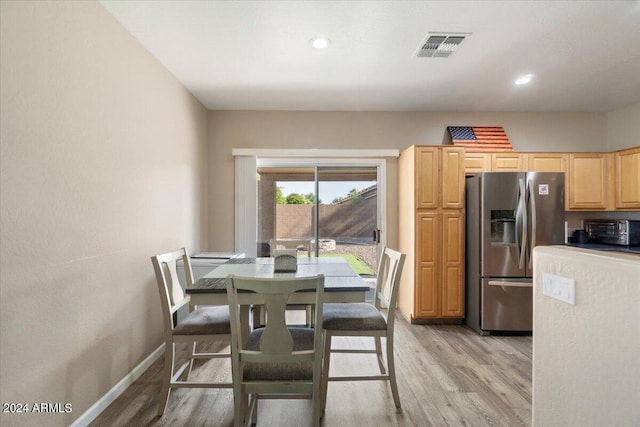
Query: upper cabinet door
point(452, 161)
point(427, 182)
point(587, 181)
point(627, 166)
point(477, 163)
point(508, 162)
point(547, 162)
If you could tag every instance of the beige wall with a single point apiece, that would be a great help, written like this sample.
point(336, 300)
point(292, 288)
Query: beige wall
point(103, 164)
point(623, 128)
point(585, 356)
point(104, 159)
point(375, 130)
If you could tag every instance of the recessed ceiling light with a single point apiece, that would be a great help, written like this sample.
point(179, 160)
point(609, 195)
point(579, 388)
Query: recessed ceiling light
point(319, 42)
point(523, 80)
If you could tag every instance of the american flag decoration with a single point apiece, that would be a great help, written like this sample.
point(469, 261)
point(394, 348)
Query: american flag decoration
point(480, 138)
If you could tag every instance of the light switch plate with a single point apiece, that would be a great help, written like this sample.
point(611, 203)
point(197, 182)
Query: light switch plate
point(560, 288)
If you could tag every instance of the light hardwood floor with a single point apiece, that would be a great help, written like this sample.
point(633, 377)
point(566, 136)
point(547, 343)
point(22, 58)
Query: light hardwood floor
point(447, 376)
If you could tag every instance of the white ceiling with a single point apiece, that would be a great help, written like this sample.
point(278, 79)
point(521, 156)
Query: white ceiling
point(255, 55)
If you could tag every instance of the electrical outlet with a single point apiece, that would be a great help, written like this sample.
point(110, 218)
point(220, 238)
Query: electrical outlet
point(560, 288)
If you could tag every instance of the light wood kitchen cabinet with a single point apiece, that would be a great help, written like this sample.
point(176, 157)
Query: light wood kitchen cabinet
point(593, 181)
point(438, 172)
point(440, 265)
point(627, 178)
point(452, 263)
point(427, 174)
point(426, 267)
point(431, 233)
point(476, 163)
point(547, 162)
point(452, 178)
point(587, 181)
point(508, 162)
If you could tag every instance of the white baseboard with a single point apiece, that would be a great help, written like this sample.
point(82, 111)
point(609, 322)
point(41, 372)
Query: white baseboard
point(106, 400)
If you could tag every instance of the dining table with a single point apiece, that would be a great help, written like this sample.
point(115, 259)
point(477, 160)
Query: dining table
point(341, 282)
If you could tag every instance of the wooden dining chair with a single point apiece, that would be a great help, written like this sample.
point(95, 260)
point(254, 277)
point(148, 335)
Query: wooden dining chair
point(276, 361)
point(203, 324)
point(366, 320)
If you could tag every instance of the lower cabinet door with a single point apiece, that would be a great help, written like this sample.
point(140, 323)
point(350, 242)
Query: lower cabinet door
point(427, 271)
point(452, 264)
point(440, 265)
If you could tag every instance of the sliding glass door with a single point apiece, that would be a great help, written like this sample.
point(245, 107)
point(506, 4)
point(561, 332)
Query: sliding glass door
point(336, 207)
point(348, 215)
point(286, 208)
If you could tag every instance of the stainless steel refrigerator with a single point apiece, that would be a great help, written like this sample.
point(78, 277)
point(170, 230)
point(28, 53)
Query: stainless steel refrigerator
point(508, 214)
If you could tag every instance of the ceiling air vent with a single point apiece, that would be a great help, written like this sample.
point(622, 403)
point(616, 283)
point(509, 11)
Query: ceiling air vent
point(440, 45)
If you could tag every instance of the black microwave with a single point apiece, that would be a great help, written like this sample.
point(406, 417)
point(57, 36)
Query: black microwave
point(613, 231)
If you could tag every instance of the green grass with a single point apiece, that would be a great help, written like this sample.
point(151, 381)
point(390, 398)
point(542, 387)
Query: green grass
point(356, 263)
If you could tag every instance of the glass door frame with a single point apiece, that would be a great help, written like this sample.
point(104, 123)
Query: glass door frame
point(378, 163)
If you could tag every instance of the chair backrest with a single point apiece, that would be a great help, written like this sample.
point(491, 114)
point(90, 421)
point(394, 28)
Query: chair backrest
point(290, 244)
point(387, 284)
point(172, 296)
point(276, 342)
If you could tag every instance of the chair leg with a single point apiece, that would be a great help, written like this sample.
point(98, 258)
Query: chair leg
point(193, 351)
point(249, 414)
point(325, 370)
point(169, 352)
point(392, 372)
point(378, 344)
point(316, 401)
point(253, 407)
point(240, 405)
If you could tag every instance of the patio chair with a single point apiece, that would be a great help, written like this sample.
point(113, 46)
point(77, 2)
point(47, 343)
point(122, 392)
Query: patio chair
point(304, 244)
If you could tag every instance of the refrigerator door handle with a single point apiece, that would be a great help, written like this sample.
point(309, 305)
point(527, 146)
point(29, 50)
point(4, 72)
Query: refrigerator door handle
point(521, 213)
point(510, 284)
point(532, 204)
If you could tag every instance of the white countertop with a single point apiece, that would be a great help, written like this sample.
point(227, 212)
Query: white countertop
point(585, 354)
point(609, 253)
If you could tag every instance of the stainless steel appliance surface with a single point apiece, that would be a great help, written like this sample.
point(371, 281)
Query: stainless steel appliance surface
point(508, 214)
point(622, 232)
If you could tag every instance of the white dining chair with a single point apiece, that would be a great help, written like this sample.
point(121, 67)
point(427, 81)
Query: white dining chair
point(366, 320)
point(203, 324)
point(298, 244)
point(276, 361)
